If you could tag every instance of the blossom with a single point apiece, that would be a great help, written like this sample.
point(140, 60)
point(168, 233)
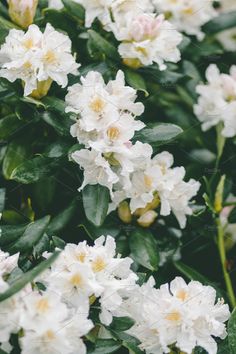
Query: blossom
point(227, 39)
point(102, 9)
point(186, 315)
point(187, 16)
point(83, 271)
point(7, 262)
point(227, 5)
point(147, 38)
point(158, 177)
point(22, 12)
point(37, 59)
point(217, 101)
point(55, 4)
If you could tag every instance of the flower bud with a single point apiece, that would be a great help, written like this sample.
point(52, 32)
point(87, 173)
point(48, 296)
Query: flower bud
point(22, 12)
point(147, 219)
point(132, 63)
point(124, 212)
point(42, 89)
point(150, 206)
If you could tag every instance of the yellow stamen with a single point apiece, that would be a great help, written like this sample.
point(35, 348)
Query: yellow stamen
point(76, 280)
point(97, 105)
point(28, 43)
point(182, 295)
point(42, 305)
point(98, 265)
point(81, 257)
point(50, 334)
point(113, 133)
point(173, 316)
point(50, 57)
point(148, 181)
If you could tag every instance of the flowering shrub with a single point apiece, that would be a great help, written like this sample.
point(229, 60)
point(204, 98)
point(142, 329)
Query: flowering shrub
point(117, 199)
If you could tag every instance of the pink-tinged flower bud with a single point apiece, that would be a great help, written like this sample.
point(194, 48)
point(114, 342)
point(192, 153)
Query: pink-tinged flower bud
point(146, 27)
point(147, 219)
point(22, 12)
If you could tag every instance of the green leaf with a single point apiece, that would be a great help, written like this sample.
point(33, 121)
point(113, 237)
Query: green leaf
point(33, 170)
point(60, 221)
point(158, 133)
point(103, 45)
point(135, 80)
point(59, 122)
point(33, 233)
point(17, 152)
point(10, 125)
point(96, 202)
point(121, 324)
point(2, 199)
point(28, 277)
point(232, 333)
point(10, 233)
point(128, 342)
point(105, 346)
point(75, 10)
point(220, 23)
point(144, 249)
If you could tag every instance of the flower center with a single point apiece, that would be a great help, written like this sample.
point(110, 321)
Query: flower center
point(27, 65)
point(113, 133)
point(188, 11)
point(97, 105)
point(50, 334)
point(81, 257)
point(182, 295)
point(49, 57)
point(173, 316)
point(98, 265)
point(148, 181)
point(76, 280)
point(42, 305)
point(28, 43)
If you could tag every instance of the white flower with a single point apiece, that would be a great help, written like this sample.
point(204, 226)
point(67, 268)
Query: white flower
point(96, 169)
point(157, 177)
point(55, 4)
point(37, 58)
point(7, 262)
point(147, 38)
point(187, 16)
point(96, 9)
point(217, 101)
point(182, 314)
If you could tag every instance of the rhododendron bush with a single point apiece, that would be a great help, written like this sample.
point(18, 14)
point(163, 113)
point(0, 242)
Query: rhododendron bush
point(117, 182)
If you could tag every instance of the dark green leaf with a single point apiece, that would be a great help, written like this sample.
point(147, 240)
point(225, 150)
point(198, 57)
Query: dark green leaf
point(158, 133)
point(28, 277)
point(135, 80)
point(105, 346)
point(60, 221)
point(9, 125)
point(17, 152)
point(103, 45)
point(59, 122)
point(75, 10)
point(10, 233)
point(221, 23)
point(96, 202)
point(2, 198)
point(33, 170)
point(121, 323)
point(31, 236)
point(144, 249)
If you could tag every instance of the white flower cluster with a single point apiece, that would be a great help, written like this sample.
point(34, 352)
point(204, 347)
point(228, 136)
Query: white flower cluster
point(37, 58)
point(145, 37)
point(54, 320)
point(187, 16)
point(106, 126)
point(217, 101)
point(180, 314)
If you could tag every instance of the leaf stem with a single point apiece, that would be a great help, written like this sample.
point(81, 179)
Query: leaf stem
point(221, 247)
